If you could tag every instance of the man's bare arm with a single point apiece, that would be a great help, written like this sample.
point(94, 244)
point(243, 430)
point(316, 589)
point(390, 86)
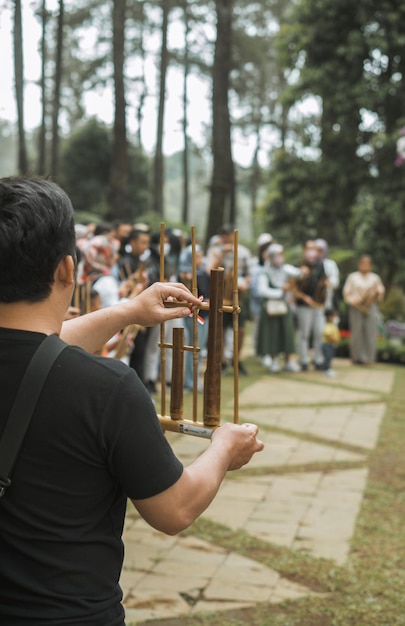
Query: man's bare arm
point(232, 446)
point(93, 330)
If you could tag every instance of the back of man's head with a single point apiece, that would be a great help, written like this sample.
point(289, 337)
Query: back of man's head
point(36, 233)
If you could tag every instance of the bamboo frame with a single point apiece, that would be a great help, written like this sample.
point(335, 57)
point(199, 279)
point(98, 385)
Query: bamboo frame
point(81, 297)
point(122, 347)
point(211, 417)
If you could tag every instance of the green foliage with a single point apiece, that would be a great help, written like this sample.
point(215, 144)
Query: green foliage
point(299, 203)
point(85, 172)
point(387, 351)
point(85, 166)
point(351, 56)
point(335, 176)
point(393, 306)
point(379, 226)
point(391, 352)
point(139, 185)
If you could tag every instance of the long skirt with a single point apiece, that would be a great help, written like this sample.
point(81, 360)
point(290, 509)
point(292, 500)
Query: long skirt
point(276, 334)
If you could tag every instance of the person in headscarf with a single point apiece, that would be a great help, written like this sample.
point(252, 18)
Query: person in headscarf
point(276, 333)
point(100, 255)
point(255, 301)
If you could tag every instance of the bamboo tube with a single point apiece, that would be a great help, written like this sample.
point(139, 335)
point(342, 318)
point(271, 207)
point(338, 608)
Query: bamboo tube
point(122, 346)
point(212, 376)
point(196, 349)
point(235, 324)
point(177, 383)
point(186, 427)
point(88, 296)
point(162, 327)
point(82, 298)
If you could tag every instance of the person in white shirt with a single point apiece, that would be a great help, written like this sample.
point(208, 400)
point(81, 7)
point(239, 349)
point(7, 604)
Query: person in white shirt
point(362, 291)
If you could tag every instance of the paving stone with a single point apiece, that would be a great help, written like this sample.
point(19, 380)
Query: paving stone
point(288, 590)
point(356, 425)
point(155, 604)
point(298, 392)
point(215, 606)
point(375, 378)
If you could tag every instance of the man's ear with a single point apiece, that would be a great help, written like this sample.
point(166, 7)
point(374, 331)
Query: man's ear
point(66, 271)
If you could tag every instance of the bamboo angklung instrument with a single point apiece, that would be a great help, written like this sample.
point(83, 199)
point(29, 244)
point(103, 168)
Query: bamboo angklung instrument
point(212, 377)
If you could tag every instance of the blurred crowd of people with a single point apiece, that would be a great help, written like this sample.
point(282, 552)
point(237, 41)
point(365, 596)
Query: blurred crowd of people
point(293, 308)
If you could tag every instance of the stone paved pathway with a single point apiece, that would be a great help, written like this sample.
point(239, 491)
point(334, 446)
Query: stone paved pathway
point(306, 420)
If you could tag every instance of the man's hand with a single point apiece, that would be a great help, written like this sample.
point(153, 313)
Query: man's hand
point(149, 308)
point(241, 440)
point(173, 510)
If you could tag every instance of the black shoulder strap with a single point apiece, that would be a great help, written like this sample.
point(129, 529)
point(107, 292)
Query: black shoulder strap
point(24, 405)
point(269, 279)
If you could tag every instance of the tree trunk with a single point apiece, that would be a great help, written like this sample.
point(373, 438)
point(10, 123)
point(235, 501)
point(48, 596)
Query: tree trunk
point(19, 88)
point(222, 199)
point(158, 200)
point(41, 167)
point(255, 176)
point(143, 92)
point(119, 201)
point(185, 203)
point(57, 87)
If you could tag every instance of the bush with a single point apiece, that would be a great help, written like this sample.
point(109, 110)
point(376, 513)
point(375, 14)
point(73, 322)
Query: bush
point(390, 352)
point(342, 349)
point(387, 351)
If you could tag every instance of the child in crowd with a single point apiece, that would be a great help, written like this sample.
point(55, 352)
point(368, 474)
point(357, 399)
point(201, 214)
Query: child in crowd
point(330, 339)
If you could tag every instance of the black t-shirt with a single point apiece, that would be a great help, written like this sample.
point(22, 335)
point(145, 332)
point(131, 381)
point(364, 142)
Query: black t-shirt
point(94, 440)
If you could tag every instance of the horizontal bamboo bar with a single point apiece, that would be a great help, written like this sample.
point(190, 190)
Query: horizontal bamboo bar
point(226, 308)
point(186, 348)
point(185, 427)
point(174, 304)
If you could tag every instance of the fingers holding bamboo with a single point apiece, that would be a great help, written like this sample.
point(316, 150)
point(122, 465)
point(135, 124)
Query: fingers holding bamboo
point(241, 441)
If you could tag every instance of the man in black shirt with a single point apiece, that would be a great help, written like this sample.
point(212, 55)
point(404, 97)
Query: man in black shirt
point(94, 439)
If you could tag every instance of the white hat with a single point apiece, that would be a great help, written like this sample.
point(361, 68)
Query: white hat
point(321, 244)
point(81, 231)
point(263, 239)
point(275, 248)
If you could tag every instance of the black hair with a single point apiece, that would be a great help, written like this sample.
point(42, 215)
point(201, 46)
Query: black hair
point(103, 228)
point(136, 233)
point(226, 229)
point(36, 233)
